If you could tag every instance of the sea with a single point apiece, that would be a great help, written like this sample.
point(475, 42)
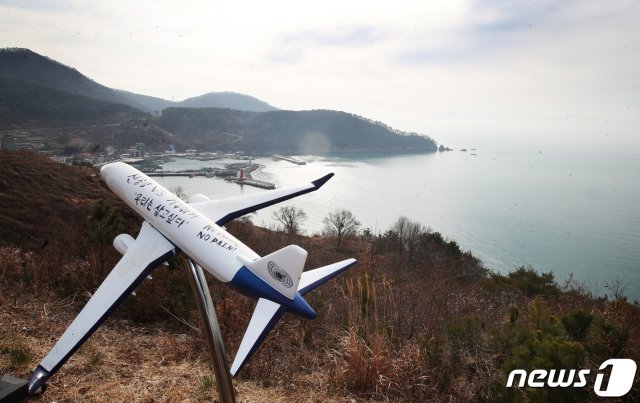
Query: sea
point(576, 215)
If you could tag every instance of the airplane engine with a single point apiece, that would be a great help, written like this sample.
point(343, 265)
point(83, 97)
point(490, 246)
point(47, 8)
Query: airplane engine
point(122, 242)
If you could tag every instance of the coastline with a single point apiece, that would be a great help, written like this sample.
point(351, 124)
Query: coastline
point(515, 229)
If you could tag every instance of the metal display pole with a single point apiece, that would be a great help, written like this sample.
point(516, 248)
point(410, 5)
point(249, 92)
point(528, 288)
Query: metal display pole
point(212, 329)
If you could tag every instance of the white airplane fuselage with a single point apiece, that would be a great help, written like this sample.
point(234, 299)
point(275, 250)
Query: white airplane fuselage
point(208, 244)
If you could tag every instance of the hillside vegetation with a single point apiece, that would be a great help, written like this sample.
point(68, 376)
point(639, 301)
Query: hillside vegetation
point(417, 319)
point(304, 132)
point(39, 198)
point(228, 100)
point(26, 104)
point(28, 66)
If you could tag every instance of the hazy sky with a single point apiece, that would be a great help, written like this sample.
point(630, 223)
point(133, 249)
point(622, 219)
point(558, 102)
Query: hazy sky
point(454, 70)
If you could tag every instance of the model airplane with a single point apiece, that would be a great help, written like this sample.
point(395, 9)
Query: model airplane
point(195, 229)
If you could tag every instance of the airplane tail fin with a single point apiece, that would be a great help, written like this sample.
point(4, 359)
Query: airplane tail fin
point(281, 269)
point(267, 313)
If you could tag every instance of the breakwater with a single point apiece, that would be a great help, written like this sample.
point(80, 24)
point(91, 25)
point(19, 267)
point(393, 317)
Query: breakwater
point(230, 174)
point(293, 160)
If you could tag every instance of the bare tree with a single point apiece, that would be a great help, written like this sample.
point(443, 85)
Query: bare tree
point(408, 233)
point(291, 219)
point(180, 192)
point(618, 288)
point(340, 224)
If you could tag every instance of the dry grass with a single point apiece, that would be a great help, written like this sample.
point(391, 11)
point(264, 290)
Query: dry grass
point(124, 361)
point(425, 325)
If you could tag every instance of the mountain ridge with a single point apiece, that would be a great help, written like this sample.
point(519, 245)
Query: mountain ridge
point(52, 92)
point(26, 65)
point(27, 104)
point(227, 99)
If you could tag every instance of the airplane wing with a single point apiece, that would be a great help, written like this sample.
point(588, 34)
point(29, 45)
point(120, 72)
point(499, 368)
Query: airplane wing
point(225, 210)
point(148, 251)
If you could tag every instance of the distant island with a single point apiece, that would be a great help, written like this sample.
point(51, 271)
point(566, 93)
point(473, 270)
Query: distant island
point(48, 106)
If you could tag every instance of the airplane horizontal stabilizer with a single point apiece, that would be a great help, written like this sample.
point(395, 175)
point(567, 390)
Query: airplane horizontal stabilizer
point(264, 318)
point(267, 313)
point(314, 278)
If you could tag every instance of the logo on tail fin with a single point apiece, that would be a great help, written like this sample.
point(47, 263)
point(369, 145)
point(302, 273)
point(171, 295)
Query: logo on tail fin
point(279, 274)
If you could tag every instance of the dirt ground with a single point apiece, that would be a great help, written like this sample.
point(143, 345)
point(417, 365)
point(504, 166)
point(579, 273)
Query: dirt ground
point(123, 362)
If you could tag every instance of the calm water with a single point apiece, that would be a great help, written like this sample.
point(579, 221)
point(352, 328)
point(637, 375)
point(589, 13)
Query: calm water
point(566, 214)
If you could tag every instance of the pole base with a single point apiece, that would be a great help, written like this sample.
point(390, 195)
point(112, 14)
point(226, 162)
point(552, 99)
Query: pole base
point(13, 389)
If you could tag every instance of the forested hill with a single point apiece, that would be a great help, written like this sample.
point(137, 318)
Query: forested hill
point(28, 66)
point(296, 132)
point(25, 65)
point(25, 104)
point(229, 100)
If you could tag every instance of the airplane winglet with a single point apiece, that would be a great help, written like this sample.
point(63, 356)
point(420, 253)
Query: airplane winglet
point(319, 182)
point(225, 210)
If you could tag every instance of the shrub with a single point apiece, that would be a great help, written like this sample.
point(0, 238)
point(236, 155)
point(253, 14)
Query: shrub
point(576, 323)
point(526, 280)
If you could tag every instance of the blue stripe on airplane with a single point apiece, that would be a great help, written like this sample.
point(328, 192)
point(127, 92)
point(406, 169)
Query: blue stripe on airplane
point(250, 284)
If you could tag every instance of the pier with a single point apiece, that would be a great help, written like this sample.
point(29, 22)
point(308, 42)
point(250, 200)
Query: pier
point(244, 177)
point(190, 174)
point(251, 182)
point(293, 160)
